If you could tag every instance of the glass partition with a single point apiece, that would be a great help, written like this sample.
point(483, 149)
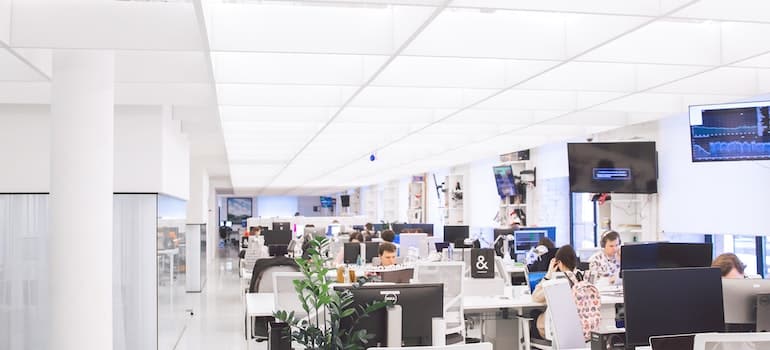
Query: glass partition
point(172, 270)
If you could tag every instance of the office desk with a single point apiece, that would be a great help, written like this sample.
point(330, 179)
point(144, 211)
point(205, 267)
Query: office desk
point(257, 305)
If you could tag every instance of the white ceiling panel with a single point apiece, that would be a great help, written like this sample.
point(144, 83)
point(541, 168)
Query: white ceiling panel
point(722, 81)
point(743, 10)
point(761, 61)
point(167, 66)
point(651, 75)
point(14, 69)
point(279, 114)
point(118, 25)
point(458, 72)
point(665, 41)
point(585, 32)
point(446, 98)
point(502, 34)
point(589, 76)
point(498, 117)
point(297, 28)
point(303, 69)
point(627, 7)
point(390, 115)
point(744, 40)
point(283, 95)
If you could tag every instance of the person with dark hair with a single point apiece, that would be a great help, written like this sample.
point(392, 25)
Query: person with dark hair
point(563, 265)
point(606, 262)
point(730, 266)
point(355, 237)
point(544, 258)
point(388, 236)
point(387, 253)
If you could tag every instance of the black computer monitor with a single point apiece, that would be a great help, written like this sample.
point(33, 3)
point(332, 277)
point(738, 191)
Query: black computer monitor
point(351, 252)
point(371, 250)
point(672, 301)
point(455, 234)
point(277, 249)
point(526, 239)
point(277, 237)
point(665, 255)
point(419, 302)
point(281, 226)
point(740, 302)
point(441, 246)
point(499, 245)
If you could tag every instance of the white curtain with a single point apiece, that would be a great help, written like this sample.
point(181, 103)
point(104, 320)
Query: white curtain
point(24, 307)
point(134, 272)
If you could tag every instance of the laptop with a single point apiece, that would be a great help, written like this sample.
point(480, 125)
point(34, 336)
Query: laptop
point(673, 342)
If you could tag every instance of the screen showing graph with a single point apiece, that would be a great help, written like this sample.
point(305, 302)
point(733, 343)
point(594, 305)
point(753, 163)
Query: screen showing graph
point(738, 131)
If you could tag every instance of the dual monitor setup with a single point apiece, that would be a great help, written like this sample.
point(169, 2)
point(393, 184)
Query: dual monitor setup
point(670, 289)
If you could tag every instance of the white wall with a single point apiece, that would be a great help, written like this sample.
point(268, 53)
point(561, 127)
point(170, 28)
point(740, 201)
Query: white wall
point(708, 198)
point(176, 157)
point(198, 203)
point(271, 206)
point(25, 142)
point(148, 157)
point(138, 162)
point(481, 201)
point(548, 202)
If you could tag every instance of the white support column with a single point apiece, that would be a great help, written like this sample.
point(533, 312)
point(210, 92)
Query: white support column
point(81, 208)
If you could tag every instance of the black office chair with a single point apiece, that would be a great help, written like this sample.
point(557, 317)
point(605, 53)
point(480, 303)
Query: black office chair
point(262, 282)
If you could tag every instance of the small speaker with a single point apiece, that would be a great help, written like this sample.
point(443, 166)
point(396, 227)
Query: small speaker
point(345, 199)
point(608, 340)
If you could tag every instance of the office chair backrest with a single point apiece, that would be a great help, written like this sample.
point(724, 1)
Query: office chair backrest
point(261, 275)
point(449, 273)
point(286, 297)
point(566, 327)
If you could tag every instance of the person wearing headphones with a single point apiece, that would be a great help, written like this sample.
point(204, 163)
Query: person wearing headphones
point(606, 262)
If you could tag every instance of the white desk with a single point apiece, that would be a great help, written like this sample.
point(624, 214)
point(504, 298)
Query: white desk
point(257, 305)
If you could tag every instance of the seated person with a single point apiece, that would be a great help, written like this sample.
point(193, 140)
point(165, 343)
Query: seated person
point(544, 260)
point(387, 253)
point(606, 262)
point(355, 237)
point(730, 265)
point(563, 265)
point(369, 230)
point(388, 236)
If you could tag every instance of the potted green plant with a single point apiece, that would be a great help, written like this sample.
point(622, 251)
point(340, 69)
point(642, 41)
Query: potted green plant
point(326, 308)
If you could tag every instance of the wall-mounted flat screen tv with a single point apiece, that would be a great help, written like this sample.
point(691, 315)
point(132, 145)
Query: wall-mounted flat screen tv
point(615, 167)
point(506, 185)
point(735, 131)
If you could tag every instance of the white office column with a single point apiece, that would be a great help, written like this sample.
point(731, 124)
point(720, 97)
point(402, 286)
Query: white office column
point(81, 203)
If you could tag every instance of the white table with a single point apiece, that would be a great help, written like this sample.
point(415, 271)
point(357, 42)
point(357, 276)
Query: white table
point(257, 305)
point(170, 253)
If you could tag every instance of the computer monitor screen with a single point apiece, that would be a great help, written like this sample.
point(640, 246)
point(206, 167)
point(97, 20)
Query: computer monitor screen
point(506, 185)
point(273, 237)
point(619, 167)
point(525, 240)
point(351, 253)
point(371, 249)
point(327, 202)
point(420, 303)
point(281, 226)
point(453, 234)
point(740, 299)
point(278, 249)
point(416, 242)
point(735, 131)
point(499, 244)
point(441, 246)
point(665, 255)
point(333, 229)
point(672, 301)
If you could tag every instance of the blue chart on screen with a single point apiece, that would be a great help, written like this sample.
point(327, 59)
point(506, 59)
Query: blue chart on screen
point(732, 134)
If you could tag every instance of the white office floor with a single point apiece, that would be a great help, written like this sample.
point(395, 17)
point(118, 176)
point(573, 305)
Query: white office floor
point(217, 322)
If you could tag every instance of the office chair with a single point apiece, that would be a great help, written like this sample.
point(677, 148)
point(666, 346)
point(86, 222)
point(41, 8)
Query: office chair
point(451, 275)
point(262, 282)
point(565, 331)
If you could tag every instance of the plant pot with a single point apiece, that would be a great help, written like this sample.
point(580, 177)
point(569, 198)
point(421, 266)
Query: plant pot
point(278, 336)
